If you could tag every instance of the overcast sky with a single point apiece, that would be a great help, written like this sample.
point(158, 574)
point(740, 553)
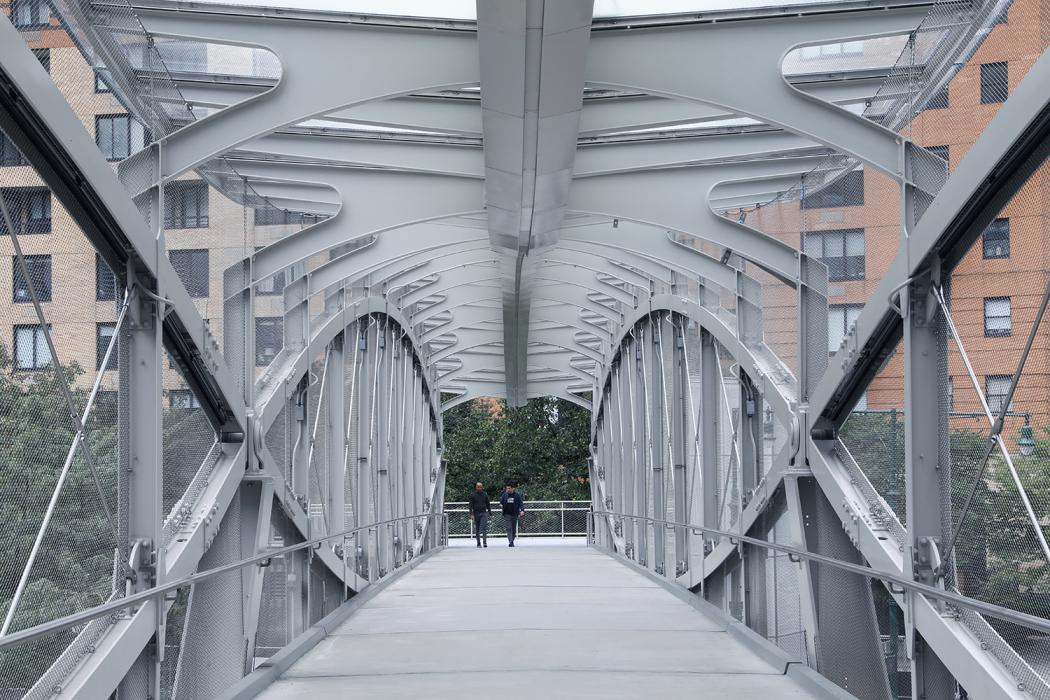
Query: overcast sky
point(465, 9)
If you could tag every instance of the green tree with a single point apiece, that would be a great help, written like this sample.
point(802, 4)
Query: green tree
point(542, 446)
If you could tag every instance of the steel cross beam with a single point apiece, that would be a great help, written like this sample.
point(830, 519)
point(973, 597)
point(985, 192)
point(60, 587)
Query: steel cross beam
point(667, 198)
point(372, 201)
point(662, 62)
point(317, 88)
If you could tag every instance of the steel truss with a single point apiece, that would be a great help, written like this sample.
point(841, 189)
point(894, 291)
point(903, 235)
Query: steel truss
point(517, 216)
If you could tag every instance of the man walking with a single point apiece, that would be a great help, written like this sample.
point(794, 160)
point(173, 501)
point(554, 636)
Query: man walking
point(480, 510)
point(513, 508)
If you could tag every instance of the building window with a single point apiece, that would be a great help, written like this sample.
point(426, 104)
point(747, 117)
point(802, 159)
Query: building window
point(44, 56)
point(104, 333)
point(100, 83)
point(996, 316)
point(118, 135)
point(30, 14)
point(995, 82)
point(842, 251)
point(996, 239)
point(1002, 17)
point(9, 153)
point(841, 318)
point(272, 216)
point(939, 151)
point(39, 267)
point(182, 399)
point(186, 205)
point(847, 48)
point(192, 268)
point(996, 387)
point(269, 337)
point(272, 285)
point(105, 281)
point(847, 191)
point(939, 99)
point(31, 348)
point(184, 56)
point(104, 413)
point(29, 209)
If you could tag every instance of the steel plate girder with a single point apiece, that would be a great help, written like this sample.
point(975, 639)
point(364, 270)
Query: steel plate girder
point(440, 263)
point(318, 87)
point(566, 274)
point(617, 114)
point(372, 201)
point(415, 156)
point(676, 199)
point(400, 246)
point(566, 256)
point(481, 390)
point(463, 317)
point(606, 158)
point(559, 362)
point(471, 338)
point(473, 274)
point(462, 116)
point(664, 63)
point(448, 115)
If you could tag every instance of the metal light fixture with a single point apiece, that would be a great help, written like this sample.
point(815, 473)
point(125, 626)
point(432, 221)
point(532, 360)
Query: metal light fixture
point(1027, 441)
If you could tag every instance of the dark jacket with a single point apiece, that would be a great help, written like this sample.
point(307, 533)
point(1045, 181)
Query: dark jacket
point(513, 503)
point(479, 503)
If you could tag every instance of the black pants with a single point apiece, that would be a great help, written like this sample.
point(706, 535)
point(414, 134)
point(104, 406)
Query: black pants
point(481, 527)
point(512, 526)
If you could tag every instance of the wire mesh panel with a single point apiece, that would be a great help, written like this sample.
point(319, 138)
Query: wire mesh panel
point(541, 519)
point(997, 483)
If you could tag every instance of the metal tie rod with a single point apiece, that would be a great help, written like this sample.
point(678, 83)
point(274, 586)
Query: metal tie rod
point(990, 609)
point(116, 606)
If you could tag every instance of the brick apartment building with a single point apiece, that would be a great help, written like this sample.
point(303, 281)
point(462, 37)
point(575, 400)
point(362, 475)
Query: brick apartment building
point(205, 232)
point(853, 225)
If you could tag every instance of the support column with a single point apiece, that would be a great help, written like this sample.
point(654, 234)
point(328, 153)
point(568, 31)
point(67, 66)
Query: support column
point(382, 449)
point(363, 505)
point(640, 466)
point(750, 432)
point(336, 443)
point(710, 418)
point(657, 442)
point(681, 434)
point(141, 429)
point(926, 421)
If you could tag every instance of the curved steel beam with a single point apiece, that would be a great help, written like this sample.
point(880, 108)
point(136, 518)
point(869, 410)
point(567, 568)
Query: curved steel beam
point(663, 62)
point(319, 87)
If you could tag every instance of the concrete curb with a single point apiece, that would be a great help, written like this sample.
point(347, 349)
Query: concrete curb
point(271, 669)
point(798, 671)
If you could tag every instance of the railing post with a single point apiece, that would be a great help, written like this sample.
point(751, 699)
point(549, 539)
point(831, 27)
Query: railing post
point(563, 520)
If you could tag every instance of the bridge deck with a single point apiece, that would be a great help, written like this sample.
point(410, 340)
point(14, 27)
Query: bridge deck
point(538, 622)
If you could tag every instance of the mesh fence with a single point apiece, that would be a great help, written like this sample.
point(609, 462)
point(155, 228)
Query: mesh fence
point(59, 484)
point(1000, 554)
point(542, 519)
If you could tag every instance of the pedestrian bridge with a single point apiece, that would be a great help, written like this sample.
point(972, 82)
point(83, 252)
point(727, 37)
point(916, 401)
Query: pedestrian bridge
point(792, 259)
point(536, 622)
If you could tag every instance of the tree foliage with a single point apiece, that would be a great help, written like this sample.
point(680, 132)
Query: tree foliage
point(997, 557)
point(542, 446)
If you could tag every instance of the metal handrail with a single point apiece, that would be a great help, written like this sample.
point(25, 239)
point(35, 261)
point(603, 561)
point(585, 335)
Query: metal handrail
point(115, 606)
point(990, 609)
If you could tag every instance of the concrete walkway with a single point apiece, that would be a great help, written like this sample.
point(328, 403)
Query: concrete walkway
point(538, 623)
